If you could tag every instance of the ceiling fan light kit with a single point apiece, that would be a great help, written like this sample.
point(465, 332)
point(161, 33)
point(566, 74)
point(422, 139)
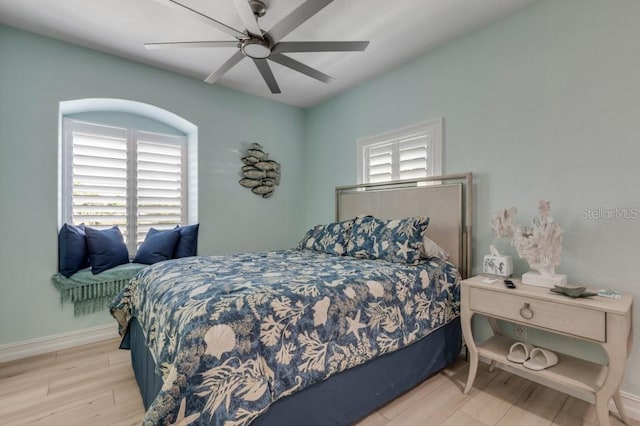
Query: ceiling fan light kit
point(256, 48)
point(260, 45)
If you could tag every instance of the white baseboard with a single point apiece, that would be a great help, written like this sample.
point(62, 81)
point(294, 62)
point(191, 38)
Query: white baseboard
point(631, 405)
point(42, 345)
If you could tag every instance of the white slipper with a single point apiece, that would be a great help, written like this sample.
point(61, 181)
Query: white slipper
point(519, 352)
point(541, 359)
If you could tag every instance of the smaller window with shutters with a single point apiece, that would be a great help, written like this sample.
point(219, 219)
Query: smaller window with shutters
point(123, 177)
point(413, 152)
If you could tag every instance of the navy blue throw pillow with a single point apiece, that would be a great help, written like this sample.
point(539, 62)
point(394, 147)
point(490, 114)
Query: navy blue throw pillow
point(106, 248)
point(72, 249)
point(188, 242)
point(157, 246)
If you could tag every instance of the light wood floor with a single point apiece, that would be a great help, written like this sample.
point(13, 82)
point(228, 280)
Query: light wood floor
point(94, 385)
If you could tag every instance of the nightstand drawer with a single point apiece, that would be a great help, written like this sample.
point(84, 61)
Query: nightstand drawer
point(574, 320)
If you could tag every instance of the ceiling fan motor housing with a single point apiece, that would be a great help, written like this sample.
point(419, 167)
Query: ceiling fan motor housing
point(258, 7)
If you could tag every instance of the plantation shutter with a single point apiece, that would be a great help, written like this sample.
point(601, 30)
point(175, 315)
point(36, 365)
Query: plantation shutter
point(160, 165)
point(413, 157)
point(379, 159)
point(122, 177)
point(405, 158)
point(99, 177)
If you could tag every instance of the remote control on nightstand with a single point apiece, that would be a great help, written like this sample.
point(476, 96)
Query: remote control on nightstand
point(509, 284)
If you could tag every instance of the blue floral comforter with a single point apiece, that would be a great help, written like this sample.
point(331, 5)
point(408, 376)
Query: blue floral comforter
point(232, 334)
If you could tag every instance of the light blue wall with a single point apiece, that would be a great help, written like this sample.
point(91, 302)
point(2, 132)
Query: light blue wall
point(37, 73)
point(541, 105)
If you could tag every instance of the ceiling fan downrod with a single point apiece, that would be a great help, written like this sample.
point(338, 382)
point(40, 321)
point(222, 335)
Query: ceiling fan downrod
point(257, 46)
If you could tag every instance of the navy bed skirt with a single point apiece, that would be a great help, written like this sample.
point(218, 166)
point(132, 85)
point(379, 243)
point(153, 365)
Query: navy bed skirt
point(342, 399)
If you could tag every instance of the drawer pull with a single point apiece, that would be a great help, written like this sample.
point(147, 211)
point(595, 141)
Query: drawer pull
point(526, 312)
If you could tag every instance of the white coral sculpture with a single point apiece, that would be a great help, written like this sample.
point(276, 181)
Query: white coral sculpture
point(539, 244)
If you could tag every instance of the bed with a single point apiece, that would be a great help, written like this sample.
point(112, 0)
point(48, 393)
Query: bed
point(300, 336)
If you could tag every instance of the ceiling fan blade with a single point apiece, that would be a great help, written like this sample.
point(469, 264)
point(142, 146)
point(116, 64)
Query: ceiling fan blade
point(191, 44)
point(248, 18)
point(320, 46)
point(204, 18)
point(300, 67)
point(224, 68)
point(293, 20)
point(267, 74)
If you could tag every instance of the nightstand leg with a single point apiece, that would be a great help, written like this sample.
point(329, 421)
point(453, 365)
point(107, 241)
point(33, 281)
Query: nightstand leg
point(602, 410)
point(618, 329)
point(620, 406)
point(472, 350)
point(494, 326)
point(498, 332)
point(473, 370)
point(467, 333)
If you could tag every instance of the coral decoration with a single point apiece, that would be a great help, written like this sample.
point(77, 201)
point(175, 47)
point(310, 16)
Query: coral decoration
point(539, 244)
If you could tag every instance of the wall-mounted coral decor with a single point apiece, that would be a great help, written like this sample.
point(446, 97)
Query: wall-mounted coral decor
point(259, 173)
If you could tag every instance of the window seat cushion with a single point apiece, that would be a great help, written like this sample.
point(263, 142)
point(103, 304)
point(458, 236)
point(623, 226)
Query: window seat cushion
point(93, 292)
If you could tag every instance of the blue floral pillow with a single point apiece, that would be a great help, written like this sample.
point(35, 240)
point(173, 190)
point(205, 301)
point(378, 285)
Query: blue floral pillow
point(398, 240)
point(365, 234)
point(332, 238)
point(401, 240)
point(310, 235)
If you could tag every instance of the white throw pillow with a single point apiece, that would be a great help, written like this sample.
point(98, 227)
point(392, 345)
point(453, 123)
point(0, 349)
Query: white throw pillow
point(432, 249)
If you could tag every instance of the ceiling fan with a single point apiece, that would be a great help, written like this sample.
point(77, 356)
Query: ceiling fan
point(259, 45)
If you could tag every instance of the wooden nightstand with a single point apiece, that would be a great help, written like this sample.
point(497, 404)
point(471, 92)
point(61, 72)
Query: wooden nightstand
point(601, 320)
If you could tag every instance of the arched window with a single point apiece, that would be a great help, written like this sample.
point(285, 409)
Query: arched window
point(126, 169)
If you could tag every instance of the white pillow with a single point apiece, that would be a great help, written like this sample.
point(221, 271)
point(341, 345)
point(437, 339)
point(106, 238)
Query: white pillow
point(432, 249)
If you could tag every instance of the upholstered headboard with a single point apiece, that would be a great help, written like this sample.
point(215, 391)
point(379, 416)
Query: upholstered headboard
point(446, 200)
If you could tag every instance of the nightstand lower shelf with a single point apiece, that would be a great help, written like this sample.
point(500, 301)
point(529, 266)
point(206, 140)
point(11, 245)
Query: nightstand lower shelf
point(575, 376)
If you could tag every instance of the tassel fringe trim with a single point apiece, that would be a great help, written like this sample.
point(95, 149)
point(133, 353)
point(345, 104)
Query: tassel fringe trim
point(90, 297)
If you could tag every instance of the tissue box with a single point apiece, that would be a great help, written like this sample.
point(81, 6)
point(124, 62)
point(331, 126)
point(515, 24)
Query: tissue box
point(497, 265)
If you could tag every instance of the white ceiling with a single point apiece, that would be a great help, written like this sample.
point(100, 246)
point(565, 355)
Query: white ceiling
point(397, 30)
